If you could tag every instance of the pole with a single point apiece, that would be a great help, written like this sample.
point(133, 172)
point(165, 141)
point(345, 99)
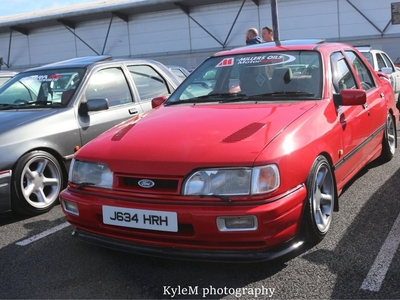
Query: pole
point(275, 23)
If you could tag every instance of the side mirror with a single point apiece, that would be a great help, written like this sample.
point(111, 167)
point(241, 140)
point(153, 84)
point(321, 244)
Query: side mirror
point(353, 97)
point(155, 102)
point(93, 105)
point(387, 70)
point(383, 75)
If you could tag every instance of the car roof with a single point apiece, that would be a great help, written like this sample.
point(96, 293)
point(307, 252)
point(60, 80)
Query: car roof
point(85, 61)
point(369, 49)
point(307, 44)
point(78, 62)
point(7, 73)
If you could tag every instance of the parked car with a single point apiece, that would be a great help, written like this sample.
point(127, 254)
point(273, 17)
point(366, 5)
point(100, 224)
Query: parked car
point(6, 75)
point(49, 112)
point(380, 61)
point(179, 71)
point(244, 176)
point(397, 62)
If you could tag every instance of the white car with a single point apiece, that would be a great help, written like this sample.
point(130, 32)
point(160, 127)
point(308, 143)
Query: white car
point(380, 61)
point(6, 75)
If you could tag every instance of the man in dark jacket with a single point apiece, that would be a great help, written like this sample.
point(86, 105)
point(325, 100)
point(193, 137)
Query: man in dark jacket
point(252, 37)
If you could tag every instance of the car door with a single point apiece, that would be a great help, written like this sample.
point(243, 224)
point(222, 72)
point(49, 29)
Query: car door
point(111, 84)
point(375, 105)
point(354, 120)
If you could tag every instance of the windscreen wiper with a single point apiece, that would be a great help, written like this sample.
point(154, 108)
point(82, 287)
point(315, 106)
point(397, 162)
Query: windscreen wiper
point(286, 93)
point(217, 97)
point(275, 95)
point(5, 106)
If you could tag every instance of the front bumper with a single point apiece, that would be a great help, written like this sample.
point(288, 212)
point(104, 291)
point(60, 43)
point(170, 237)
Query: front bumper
point(198, 236)
point(5, 197)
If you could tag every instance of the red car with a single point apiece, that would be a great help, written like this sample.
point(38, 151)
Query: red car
point(245, 160)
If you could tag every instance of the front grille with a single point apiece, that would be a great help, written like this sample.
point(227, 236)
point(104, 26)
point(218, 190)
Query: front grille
point(158, 183)
point(159, 186)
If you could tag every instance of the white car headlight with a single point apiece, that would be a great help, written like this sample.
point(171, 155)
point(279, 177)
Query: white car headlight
point(233, 181)
point(90, 173)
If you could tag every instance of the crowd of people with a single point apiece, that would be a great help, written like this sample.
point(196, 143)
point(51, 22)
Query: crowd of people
point(252, 37)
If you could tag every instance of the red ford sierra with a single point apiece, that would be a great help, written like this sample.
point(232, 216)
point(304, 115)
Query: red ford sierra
point(245, 161)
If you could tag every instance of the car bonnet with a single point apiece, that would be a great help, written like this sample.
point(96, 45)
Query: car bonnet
point(177, 139)
point(11, 119)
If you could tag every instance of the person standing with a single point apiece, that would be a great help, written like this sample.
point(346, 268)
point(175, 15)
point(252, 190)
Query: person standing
point(252, 37)
point(267, 34)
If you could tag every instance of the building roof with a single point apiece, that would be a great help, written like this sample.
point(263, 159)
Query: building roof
point(75, 14)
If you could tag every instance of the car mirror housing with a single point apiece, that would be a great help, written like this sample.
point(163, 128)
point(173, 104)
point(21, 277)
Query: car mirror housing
point(155, 102)
point(387, 70)
point(93, 105)
point(383, 75)
point(350, 97)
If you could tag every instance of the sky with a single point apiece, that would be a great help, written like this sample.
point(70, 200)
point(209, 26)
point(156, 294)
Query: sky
point(14, 7)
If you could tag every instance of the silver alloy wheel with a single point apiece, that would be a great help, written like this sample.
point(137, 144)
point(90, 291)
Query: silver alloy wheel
point(323, 197)
point(40, 182)
point(391, 134)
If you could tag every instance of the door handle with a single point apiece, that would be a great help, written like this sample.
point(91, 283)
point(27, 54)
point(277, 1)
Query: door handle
point(133, 112)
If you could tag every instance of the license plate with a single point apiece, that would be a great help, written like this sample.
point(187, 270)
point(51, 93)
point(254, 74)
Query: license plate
point(140, 218)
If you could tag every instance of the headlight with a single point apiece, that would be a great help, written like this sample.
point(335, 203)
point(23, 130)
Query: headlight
point(233, 181)
point(89, 173)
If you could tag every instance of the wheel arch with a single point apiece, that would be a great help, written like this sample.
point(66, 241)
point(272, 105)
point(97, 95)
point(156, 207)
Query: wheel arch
point(330, 161)
point(60, 159)
point(395, 123)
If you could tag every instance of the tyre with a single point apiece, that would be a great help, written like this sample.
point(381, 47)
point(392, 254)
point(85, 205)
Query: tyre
point(37, 182)
point(321, 192)
point(389, 139)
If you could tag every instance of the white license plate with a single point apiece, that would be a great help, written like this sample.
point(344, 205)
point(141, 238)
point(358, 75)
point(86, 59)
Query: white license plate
point(140, 218)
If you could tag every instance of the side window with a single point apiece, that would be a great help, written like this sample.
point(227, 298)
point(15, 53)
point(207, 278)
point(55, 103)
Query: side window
point(381, 62)
point(367, 81)
point(110, 84)
point(148, 82)
point(388, 62)
point(342, 76)
point(178, 73)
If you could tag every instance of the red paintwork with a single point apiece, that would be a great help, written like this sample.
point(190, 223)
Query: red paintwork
point(172, 141)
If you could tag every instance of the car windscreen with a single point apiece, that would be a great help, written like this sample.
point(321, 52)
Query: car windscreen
point(41, 88)
point(282, 75)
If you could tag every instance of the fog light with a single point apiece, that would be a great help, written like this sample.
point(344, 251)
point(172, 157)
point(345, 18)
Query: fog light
point(70, 207)
point(237, 223)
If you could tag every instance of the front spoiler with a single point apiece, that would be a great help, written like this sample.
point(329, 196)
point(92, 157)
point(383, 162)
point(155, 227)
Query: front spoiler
point(189, 254)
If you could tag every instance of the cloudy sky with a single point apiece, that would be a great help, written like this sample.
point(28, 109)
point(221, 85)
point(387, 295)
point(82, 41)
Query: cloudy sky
point(13, 7)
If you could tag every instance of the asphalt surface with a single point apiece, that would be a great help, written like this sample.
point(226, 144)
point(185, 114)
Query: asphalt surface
point(358, 259)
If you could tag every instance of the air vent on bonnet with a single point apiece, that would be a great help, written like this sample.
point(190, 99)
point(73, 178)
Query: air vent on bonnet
point(243, 133)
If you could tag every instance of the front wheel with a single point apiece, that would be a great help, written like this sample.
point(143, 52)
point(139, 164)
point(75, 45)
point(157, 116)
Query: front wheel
point(320, 200)
point(389, 139)
point(37, 182)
